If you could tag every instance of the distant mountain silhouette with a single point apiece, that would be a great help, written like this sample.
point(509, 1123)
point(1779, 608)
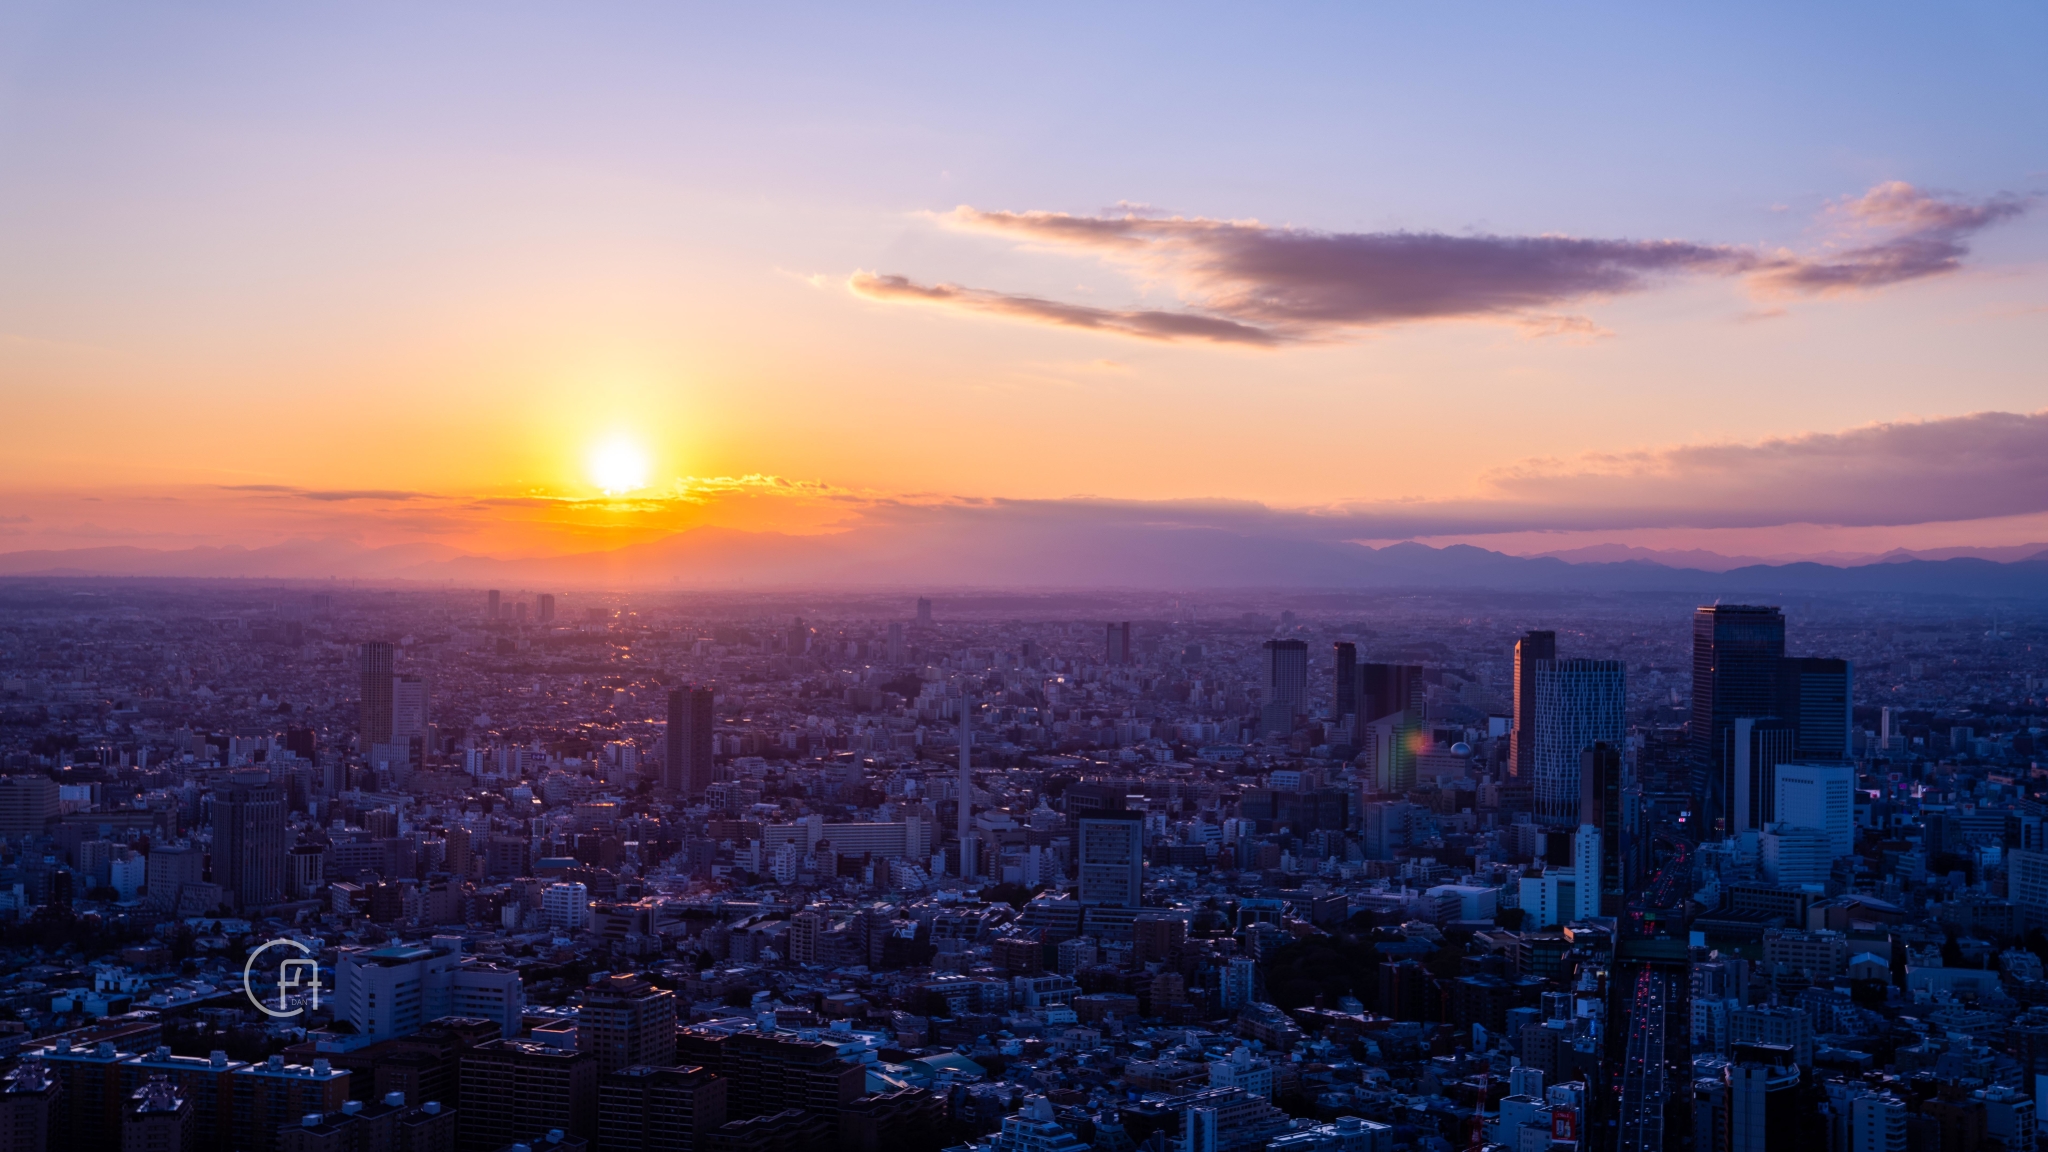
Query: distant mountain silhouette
point(1057, 556)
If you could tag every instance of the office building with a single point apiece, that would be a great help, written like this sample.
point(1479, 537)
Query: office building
point(273, 1094)
point(1117, 647)
point(1579, 703)
point(1283, 684)
point(1110, 858)
point(28, 1108)
point(766, 1073)
point(513, 1089)
point(2026, 883)
point(373, 667)
point(1344, 681)
point(1761, 1096)
point(394, 991)
point(494, 604)
point(924, 610)
point(1532, 649)
point(170, 868)
point(687, 767)
point(1756, 746)
point(643, 1108)
point(1877, 1123)
point(249, 839)
point(1389, 690)
point(565, 907)
point(1598, 860)
point(159, 1119)
point(626, 1021)
point(410, 718)
point(1794, 854)
point(1736, 651)
point(544, 608)
point(1815, 696)
point(897, 653)
point(28, 802)
point(1818, 796)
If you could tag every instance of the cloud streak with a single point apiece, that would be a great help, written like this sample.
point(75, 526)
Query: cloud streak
point(1145, 324)
point(1252, 284)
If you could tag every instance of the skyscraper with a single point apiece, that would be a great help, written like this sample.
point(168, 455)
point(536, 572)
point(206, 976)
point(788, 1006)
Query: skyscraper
point(965, 812)
point(495, 605)
point(1602, 883)
point(373, 662)
point(248, 839)
point(544, 607)
point(410, 708)
point(1736, 650)
point(1110, 853)
point(626, 1021)
point(1817, 796)
point(1284, 678)
point(1756, 746)
point(896, 653)
point(1386, 689)
point(924, 610)
point(1814, 694)
point(1344, 684)
point(1579, 703)
point(686, 770)
point(1531, 649)
point(1118, 644)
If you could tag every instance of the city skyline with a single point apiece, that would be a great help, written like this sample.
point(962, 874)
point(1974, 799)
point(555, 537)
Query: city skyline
point(512, 285)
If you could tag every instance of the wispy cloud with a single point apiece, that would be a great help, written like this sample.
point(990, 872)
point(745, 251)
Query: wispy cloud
point(1145, 324)
point(329, 495)
point(1247, 283)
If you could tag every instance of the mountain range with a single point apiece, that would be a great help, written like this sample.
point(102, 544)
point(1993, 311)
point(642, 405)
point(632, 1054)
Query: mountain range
point(1067, 556)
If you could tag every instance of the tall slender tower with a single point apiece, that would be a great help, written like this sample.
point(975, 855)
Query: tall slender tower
point(374, 670)
point(687, 767)
point(1736, 651)
point(966, 820)
point(1531, 648)
point(1344, 687)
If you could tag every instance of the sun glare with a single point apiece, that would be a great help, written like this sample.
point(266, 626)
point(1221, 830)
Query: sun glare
point(618, 466)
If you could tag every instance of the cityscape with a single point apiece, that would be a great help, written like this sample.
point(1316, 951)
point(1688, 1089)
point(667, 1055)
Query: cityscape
point(1130, 577)
point(997, 872)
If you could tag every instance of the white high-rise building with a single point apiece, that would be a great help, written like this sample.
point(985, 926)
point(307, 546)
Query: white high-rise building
point(565, 907)
point(1818, 796)
point(1240, 982)
point(1579, 703)
point(394, 991)
point(1877, 1124)
point(1586, 852)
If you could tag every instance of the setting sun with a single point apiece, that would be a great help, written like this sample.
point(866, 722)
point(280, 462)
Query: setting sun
point(618, 466)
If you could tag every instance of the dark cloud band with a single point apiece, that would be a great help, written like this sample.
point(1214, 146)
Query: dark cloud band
point(1251, 284)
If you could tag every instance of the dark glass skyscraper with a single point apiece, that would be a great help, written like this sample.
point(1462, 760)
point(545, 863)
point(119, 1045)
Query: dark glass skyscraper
point(1384, 689)
point(1529, 650)
point(1736, 651)
point(1117, 644)
point(686, 769)
point(373, 663)
point(1814, 695)
point(1285, 683)
point(1344, 688)
point(249, 839)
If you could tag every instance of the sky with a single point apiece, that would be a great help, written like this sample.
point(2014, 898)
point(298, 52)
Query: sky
point(1762, 279)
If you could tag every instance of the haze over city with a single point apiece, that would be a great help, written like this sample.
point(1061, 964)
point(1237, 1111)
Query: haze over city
point(1130, 578)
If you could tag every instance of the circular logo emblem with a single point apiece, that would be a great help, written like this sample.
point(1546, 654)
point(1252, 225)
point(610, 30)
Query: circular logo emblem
point(294, 974)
